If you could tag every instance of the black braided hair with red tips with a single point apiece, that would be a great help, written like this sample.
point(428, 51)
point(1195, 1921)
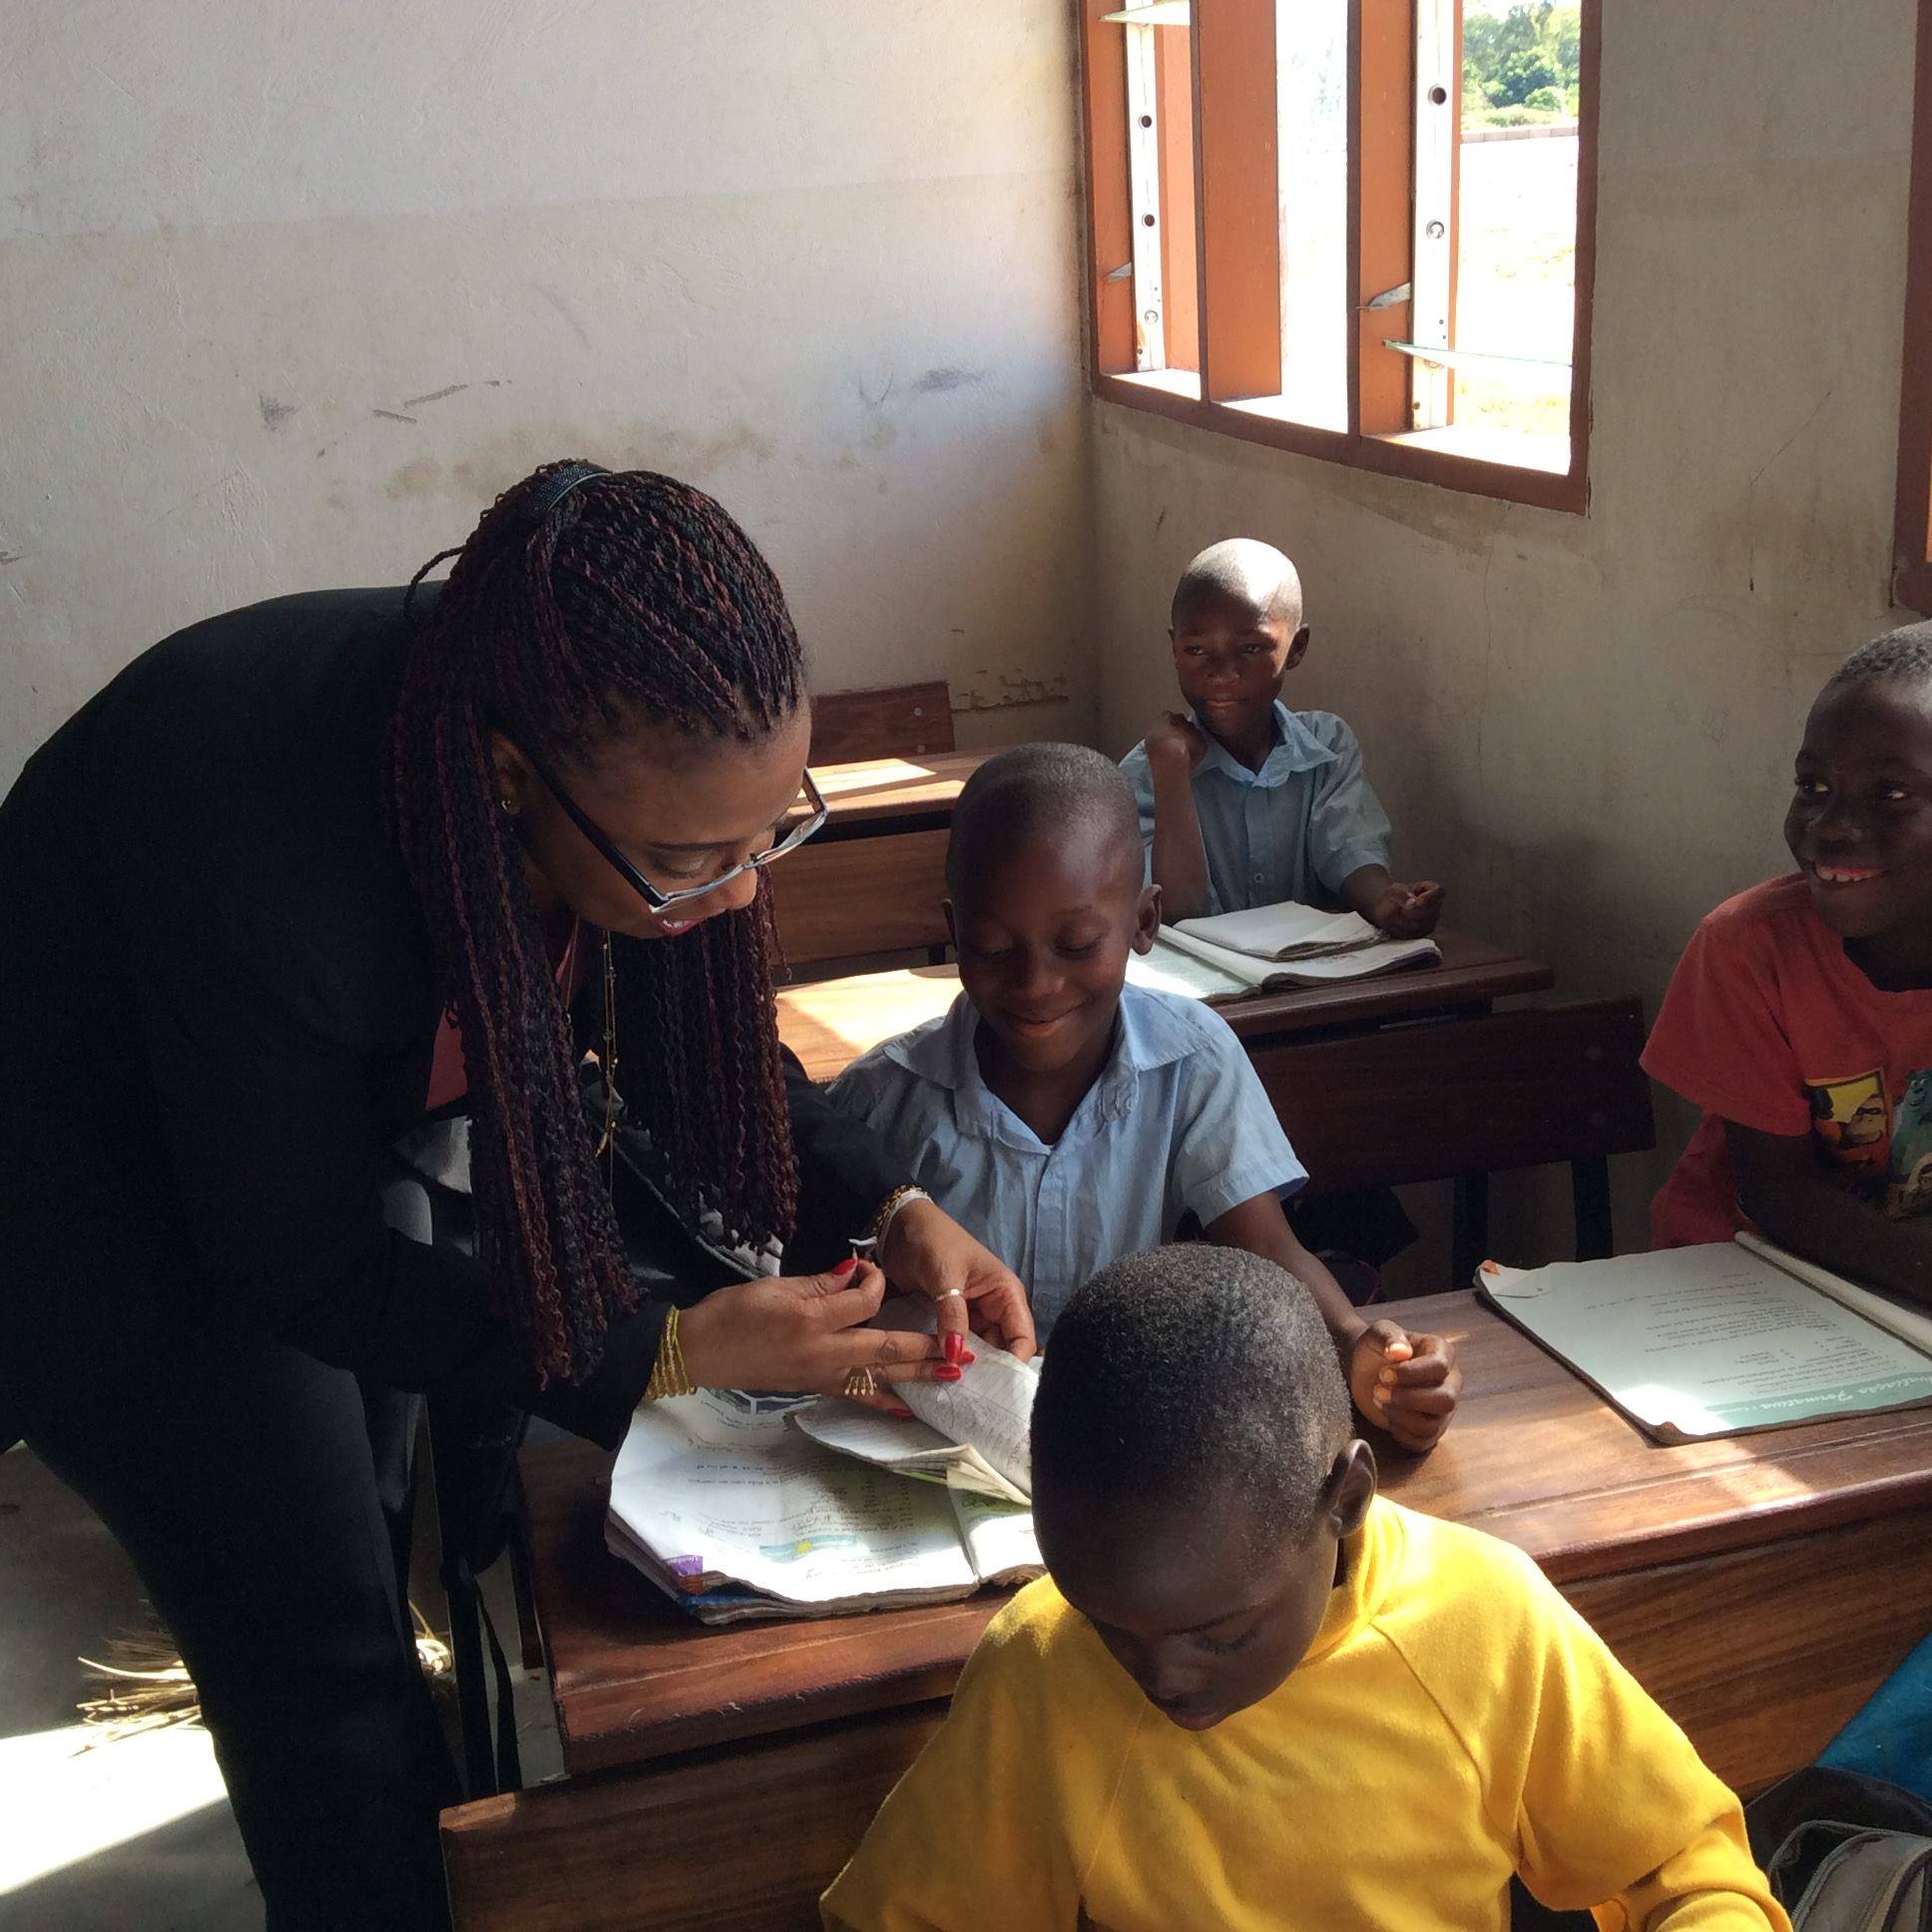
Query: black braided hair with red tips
point(567, 617)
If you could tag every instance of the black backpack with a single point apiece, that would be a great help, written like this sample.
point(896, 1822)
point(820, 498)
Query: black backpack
point(1845, 1853)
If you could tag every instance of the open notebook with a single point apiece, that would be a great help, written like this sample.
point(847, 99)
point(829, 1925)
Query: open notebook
point(1722, 1339)
point(1271, 948)
point(734, 1513)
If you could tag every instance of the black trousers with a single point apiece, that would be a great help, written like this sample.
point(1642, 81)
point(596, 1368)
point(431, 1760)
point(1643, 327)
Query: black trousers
point(265, 1500)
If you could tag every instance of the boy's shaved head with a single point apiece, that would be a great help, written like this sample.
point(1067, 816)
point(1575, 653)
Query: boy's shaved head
point(1038, 792)
point(1246, 570)
point(1198, 1376)
point(1905, 652)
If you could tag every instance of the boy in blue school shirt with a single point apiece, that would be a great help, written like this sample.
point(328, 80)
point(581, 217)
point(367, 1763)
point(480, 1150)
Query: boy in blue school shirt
point(1068, 1118)
point(1243, 801)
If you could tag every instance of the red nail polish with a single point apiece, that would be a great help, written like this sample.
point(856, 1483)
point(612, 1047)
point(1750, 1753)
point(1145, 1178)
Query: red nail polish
point(946, 1373)
point(903, 1414)
point(955, 1348)
point(969, 1356)
point(847, 1265)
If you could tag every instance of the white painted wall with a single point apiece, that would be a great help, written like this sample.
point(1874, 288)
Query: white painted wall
point(288, 293)
point(1584, 725)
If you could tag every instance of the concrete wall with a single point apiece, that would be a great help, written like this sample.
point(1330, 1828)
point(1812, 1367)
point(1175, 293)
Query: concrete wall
point(1584, 725)
point(289, 292)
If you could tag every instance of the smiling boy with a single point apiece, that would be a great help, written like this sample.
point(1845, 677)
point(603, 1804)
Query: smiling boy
point(1068, 1118)
point(1251, 1696)
point(1243, 801)
point(1800, 1015)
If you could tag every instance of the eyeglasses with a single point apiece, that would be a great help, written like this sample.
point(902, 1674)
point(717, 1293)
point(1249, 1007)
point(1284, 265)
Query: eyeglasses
point(660, 902)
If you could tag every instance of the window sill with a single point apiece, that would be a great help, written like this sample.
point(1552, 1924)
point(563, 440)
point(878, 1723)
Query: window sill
point(1479, 462)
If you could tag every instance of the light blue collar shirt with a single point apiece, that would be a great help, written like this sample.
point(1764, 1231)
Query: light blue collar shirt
point(1177, 1099)
point(1293, 830)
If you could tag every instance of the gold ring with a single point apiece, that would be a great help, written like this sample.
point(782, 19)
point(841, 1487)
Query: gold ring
point(861, 1381)
point(949, 1295)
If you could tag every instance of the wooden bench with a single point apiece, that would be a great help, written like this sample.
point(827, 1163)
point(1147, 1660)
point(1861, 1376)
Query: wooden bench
point(884, 721)
point(1462, 1102)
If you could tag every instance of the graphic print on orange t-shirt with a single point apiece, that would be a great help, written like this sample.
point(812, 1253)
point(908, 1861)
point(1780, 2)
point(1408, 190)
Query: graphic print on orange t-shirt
point(1884, 1157)
point(1909, 1182)
point(1851, 1119)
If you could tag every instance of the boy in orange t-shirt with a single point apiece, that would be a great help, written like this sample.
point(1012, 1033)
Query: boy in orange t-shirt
point(1800, 1015)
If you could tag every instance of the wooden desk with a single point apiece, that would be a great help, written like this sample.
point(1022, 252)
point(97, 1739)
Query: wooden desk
point(874, 797)
point(1760, 1588)
point(875, 878)
point(830, 1024)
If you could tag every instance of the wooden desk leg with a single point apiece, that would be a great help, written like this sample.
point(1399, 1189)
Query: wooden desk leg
point(1589, 1193)
point(1469, 1239)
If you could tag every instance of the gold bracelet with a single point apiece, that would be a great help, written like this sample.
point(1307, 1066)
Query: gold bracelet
point(890, 1207)
point(669, 1376)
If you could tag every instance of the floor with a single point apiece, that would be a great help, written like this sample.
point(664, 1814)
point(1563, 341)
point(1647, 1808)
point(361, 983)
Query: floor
point(133, 1836)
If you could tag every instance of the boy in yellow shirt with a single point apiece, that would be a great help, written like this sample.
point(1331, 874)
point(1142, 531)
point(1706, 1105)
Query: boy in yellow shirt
point(1252, 1696)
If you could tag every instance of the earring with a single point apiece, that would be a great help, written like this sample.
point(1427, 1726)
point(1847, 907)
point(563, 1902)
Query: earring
point(508, 808)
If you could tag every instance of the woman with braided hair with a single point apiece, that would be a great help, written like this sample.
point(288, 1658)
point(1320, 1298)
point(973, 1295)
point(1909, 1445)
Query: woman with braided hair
point(304, 877)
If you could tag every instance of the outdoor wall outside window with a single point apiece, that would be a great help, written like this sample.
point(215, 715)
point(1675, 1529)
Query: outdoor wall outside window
point(1912, 578)
point(1356, 229)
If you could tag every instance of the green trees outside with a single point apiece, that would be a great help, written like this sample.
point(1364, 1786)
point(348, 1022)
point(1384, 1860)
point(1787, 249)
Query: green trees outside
point(1519, 62)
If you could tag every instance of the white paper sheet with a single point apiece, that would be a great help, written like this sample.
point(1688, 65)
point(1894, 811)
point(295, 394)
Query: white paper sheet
point(973, 1435)
point(1167, 969)
point(1710, 1341)
point(990, 1409)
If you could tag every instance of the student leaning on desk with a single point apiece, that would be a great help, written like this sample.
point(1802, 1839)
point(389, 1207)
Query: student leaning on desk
point(301, 877)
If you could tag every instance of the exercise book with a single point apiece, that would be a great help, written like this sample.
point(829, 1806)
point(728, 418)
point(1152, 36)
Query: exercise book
point(1271, 948)
point(1720, 1339)
point(734, 1513)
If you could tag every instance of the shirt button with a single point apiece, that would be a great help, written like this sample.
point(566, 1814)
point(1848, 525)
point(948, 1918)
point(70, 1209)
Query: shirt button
point(1255, 878)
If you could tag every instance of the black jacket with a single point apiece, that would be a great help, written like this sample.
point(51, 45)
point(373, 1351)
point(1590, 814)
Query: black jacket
point(217, 1010)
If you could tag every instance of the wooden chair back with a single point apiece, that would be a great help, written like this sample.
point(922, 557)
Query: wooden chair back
point(744, 1836)
point(886, 722)
point(1433, 1103)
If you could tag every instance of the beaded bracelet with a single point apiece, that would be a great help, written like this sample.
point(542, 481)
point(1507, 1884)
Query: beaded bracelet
point(889, 1209)
point(669, 1376)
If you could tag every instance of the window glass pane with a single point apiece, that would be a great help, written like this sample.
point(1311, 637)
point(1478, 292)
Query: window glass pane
point(1311, 86)
point(1516, 229)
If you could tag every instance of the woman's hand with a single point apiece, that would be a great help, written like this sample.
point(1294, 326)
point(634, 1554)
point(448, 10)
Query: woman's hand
point(804, 1331)
point(1407, 1383)
point(927, 1251)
